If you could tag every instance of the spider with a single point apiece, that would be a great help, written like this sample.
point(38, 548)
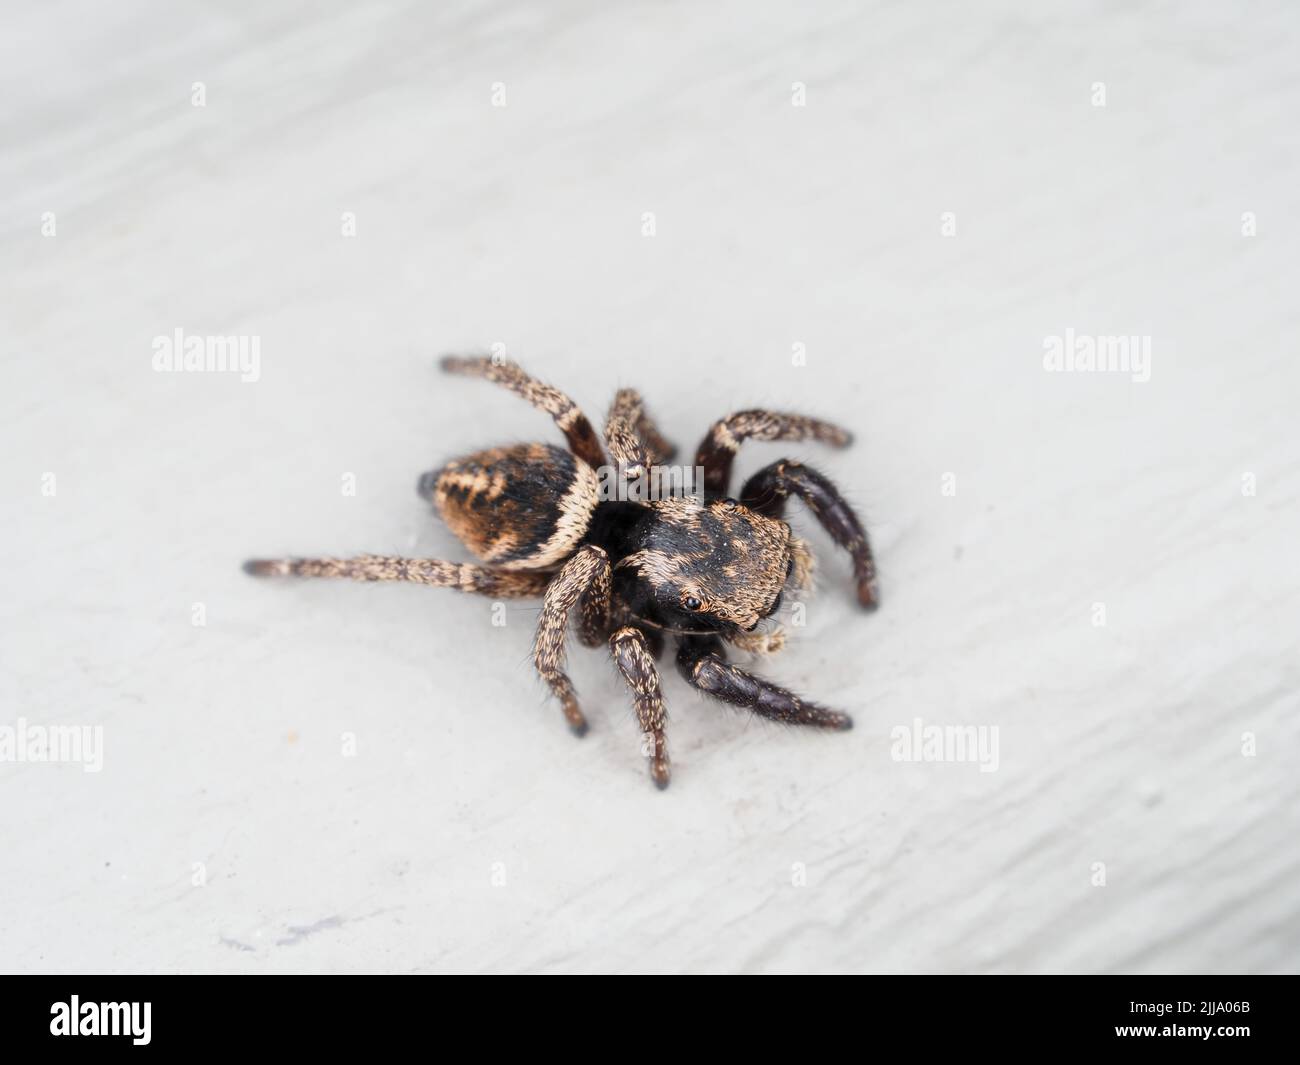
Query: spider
point(705, 569)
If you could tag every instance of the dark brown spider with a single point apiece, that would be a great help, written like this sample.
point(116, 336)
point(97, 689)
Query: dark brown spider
point(703, 568)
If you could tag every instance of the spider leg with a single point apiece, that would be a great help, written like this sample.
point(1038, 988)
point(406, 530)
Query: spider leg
point(767, 491)
point(718, 449)
point(481, 580)
point(633, 440)
point(702, 661)
point(594, 617)
point(636, 661)
point(572, 422)
point(587, 569)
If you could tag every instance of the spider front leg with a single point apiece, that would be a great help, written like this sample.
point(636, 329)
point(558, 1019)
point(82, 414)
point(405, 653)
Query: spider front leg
point(586, 571)
point(767, 491)
point(702, 661)
point(718, 449)
point(635, 659)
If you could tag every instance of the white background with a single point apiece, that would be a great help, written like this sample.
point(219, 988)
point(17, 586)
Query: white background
point(775, 225)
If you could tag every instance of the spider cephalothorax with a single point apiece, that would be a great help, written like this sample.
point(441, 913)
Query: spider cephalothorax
point(712, 566)
point(703, 568)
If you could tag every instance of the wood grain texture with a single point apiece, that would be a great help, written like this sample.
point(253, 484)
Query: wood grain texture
point(350, 777)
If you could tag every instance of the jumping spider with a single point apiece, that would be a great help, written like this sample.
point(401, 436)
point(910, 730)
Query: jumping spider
point(704, 569)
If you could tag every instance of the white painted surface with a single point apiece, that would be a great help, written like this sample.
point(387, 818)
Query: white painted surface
point(775, 225)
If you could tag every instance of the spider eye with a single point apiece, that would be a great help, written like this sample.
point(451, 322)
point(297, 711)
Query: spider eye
point(691, 603)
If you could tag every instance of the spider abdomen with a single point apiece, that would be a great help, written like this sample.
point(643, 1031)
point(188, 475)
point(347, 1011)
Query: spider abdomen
point(525, 506)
